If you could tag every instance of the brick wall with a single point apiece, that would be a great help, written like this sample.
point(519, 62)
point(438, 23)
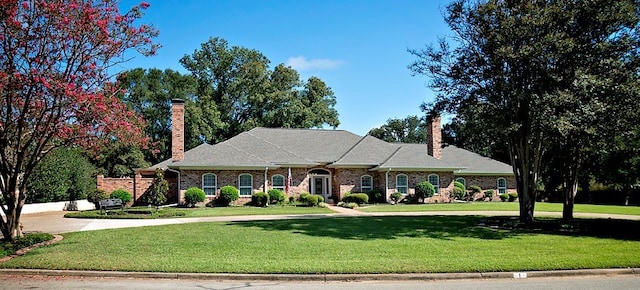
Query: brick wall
point(136, 185)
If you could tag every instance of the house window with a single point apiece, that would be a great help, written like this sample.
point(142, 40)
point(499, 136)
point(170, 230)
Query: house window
point(502, 185)
point(402, 183)
point(277, 182)
point(209, 183)
point(245, 184)
point(462, 180)
point(435, 180)
point(366, 183)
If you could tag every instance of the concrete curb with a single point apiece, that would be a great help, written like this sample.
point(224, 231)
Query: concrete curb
point(324, 277)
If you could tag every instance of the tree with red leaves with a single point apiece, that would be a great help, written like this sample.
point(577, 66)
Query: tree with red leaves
point(55, 90)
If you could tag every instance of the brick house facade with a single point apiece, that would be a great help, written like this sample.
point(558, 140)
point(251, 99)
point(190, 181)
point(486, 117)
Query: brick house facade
point(326, 162)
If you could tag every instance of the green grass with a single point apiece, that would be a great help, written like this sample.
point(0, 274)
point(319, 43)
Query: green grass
point(420, 244)
point(8, 248)
point(170, 212)
point(501, 206)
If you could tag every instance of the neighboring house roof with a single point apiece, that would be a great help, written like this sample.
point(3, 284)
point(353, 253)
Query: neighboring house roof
point(473, 163)
point(270, 148)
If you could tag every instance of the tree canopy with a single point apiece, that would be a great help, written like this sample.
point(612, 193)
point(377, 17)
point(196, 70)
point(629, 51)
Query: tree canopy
point(539, 74)
point(408, 130)
point(55, 58)
point(236, 91)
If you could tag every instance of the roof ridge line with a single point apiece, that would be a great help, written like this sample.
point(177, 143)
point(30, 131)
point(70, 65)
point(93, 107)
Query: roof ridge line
point(351, 149)
point(390, 156)
point(274, 145)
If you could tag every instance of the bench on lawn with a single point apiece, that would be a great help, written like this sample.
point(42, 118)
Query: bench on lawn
point(111, 203)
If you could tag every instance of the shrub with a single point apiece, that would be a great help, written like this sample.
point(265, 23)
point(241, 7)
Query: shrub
point(395, 197)
point(260, 199)
point(459, 184)
point(193, 195)
point(157, 192)
point(292, 199)
point(97, 195)
point(504, 197)
point(308, 199)
point(375, 196)
point(228, 194)
point(347, 204)
point(475, 189)
point(512, 196)
point(425, 190)
point(122, 194)
point(358, 198)
point(488, 193)
point(458, 193)
point(276, 196)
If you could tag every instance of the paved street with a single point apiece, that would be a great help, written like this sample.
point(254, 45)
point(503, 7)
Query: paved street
point(566, 283)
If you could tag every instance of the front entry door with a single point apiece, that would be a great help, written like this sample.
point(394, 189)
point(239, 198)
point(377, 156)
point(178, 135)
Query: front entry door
point(320, 185)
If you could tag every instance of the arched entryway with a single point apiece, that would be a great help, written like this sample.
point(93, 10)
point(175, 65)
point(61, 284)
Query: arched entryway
point(320, 183)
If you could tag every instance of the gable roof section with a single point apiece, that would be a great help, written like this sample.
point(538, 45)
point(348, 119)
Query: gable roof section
point(315, 145)
point(414, 157)
point(369, 151)
point(473, 163)
point(221, 156)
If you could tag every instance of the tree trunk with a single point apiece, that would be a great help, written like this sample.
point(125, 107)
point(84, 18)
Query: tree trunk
point(12, 208)
point(570, 180)
point(525, 159)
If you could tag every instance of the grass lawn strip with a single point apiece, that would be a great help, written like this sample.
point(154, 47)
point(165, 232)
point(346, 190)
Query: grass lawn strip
point(172, 212)
point(500, 206)
point(421, 244)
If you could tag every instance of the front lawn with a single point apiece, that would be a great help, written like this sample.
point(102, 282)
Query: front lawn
point(342, 245)
point(500, 206)
point(173, 212)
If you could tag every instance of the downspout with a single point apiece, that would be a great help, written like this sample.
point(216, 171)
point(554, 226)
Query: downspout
point(386, 187)
point(178, 187)
point(265, 179)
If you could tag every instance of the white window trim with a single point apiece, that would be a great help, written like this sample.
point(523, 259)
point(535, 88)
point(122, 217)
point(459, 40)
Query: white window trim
point(215, 186)
point(284, 182)
point(501, 187)
point(362, 187)
point(437, 185)
point(404, 186)
point(464, 181)
point(240, 186)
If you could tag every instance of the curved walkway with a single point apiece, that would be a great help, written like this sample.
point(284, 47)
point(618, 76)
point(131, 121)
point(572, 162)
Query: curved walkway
point(55, 223)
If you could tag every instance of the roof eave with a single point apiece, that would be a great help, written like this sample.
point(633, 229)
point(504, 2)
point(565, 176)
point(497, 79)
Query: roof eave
point(482, 173)
point(226, 167)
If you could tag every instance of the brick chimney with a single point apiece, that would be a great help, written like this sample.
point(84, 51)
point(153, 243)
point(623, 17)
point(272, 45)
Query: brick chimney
point(177, 129)
point(434, 138)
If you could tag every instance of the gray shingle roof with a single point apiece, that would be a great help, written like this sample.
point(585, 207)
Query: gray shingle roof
point(272, 148)
point(474, 163)
point(415, 157)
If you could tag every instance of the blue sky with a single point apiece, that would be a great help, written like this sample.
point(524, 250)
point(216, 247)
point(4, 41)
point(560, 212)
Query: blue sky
point(358, 48)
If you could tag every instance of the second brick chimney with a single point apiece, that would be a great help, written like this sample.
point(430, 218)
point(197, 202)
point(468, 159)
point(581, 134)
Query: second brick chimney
point(434, 138)
point(177, 129)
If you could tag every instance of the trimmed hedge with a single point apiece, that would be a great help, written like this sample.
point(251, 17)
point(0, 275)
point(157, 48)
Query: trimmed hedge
point(276, 196)
point(425, 190)
point(194, 195)
point(358, 198)
point(396, 197)
point(308, 199)
point(97, 195)
point(228, 194)
point(260, 199)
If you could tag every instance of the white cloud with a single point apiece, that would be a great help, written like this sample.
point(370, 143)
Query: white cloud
point(301, 63)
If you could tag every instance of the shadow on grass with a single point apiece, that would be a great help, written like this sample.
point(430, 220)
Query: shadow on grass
point(447, 227)
point(391, 227)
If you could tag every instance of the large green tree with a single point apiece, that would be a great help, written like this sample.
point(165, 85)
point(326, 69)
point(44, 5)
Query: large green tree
point(542, 73)
point(408, 130)
point(149, 92)
point(237, 91)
